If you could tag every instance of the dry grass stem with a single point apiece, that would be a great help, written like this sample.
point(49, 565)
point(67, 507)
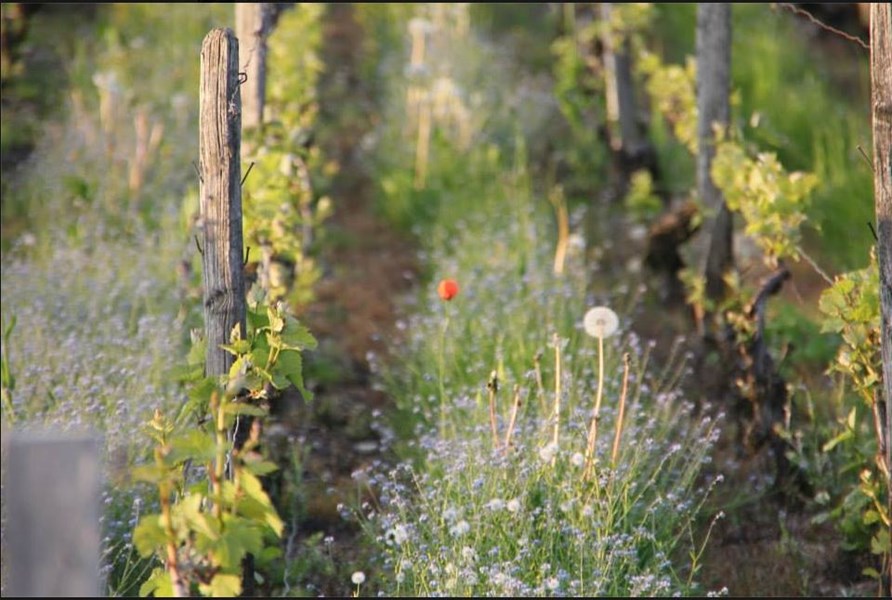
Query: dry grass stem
point(596, 413)
point(515, 407)
point(557, 392)
point(622, 409)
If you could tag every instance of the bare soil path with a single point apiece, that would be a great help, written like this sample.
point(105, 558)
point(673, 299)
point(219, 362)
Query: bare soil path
point(368, 267)
point(762, 547)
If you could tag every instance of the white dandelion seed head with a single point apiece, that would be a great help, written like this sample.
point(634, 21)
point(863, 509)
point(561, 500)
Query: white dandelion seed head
point(358, 578)
point(548, 452)
point(496, 504)
point(600, 322)
point(397, 535)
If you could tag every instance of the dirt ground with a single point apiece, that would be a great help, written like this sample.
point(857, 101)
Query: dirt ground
point(764, 546)
point(368, 268)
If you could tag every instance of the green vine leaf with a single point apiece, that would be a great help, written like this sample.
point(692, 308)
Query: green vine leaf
point(256, 503)
point(189, 511)
point(290, 367)
point(238, 347)
point(158, 584)
point(149, 535)
point(239, 537)
point(193, 445)
point(259, 467)
point(153, 474)
point(223, 585)
point(296, 336)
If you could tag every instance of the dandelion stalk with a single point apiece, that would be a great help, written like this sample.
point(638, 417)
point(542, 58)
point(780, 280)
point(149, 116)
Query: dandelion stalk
point(599, 322)
point(622, 408)
point(442, 369)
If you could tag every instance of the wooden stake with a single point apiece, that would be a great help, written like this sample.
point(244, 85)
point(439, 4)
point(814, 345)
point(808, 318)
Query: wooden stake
point(221, 196)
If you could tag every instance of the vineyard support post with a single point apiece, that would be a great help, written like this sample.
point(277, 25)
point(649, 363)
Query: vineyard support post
point(221, 196)
point(220, 122)
point(253, 23)
point(52, 502)
point(713, 108)
point(881, 96)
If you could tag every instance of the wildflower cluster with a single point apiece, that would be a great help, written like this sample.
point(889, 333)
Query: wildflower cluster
point(505, 489)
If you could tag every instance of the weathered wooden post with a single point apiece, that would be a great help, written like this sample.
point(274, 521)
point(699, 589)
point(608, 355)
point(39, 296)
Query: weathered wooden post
point(220, 122)
point(253, 22)
point(221, 196)
point(52, 519)
point(881, 94)
point(625, 135)
point(713, 108)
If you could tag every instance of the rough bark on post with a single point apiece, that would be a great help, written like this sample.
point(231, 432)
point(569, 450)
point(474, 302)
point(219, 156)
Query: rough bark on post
point(221, 196)
point(252, 26)
point(713, 88)
point(220, 123)
point(881, 95)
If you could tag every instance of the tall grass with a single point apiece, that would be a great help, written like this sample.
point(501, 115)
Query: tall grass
point(466, 513)
point(98, 285)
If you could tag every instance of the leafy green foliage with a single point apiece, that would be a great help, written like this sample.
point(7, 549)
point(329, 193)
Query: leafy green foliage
point(801, 337)
point(772, 202)
point(629, 22)
point(283, 211)
point(852, 309)
point(576, 86)
point(203, 536)
point(202, 547)
point(7, 378)
point(775, 206)
point(641, 201)
point(672, 93)
point(579, 92)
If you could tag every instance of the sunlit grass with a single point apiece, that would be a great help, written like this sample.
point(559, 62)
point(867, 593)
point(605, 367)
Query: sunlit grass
point(468, 513)
point(95, 282)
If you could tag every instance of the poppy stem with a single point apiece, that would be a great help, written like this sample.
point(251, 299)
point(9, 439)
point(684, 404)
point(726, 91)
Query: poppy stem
point(442, 369)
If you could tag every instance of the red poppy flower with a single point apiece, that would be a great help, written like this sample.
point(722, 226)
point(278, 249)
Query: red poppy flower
point(447, 289)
